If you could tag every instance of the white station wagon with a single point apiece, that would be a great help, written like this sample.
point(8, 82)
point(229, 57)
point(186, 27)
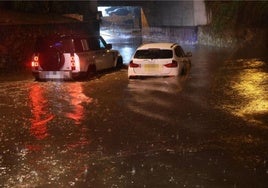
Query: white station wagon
point(158, 59)
point(72, 57)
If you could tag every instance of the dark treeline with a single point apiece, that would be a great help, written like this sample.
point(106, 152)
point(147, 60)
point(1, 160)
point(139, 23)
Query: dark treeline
point(232, 14)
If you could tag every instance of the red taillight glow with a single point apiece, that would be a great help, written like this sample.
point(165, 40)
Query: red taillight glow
point(73, 63)
point(172, 64)
point(35, 62)
point(133, 65)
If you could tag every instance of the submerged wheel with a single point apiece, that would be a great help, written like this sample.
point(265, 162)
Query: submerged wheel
point(183, 71)
point(91, 71)
point(119, 63)
point(186, 68)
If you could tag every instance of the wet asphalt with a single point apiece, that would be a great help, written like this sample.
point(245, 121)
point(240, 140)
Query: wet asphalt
point(207, 128)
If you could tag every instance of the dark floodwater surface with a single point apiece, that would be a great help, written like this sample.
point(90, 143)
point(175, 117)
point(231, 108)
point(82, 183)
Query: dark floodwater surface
point(207, 128)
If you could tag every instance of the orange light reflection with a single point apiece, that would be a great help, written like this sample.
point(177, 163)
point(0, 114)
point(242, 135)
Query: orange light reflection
point(77, 97)
point(40, 112)
point(251, 86)
point(43, 112)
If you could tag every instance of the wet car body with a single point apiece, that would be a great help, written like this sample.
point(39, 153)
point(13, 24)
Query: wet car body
point(72, 57)
point(158, 59)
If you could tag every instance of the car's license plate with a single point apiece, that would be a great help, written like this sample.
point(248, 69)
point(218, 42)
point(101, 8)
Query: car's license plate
point(151, 67)
point(55, 75)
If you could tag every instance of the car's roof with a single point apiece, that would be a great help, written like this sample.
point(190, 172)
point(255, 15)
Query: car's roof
point(160, 45)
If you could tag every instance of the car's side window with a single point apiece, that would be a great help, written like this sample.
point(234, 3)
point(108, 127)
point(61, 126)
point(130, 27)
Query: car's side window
point(102, 45)
point(183, 54)
point(78, 45)
point(66, 45)
point(179, 51)
point(94, 44)
point(84, 45)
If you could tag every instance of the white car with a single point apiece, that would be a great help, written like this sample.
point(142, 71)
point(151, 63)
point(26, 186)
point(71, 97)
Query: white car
point(158, 59)
point(71, 57)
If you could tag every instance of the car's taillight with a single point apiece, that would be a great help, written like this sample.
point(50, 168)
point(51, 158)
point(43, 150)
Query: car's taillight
point(133, 65)
point(35, 62)
point(73, 62)
point(172, 64)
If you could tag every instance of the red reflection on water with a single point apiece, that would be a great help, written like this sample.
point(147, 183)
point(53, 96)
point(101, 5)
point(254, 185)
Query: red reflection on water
point(76, 112)
point(79, 143)
point(42, 108)
point(34, 147)
point(41, 114)
point(76, 99)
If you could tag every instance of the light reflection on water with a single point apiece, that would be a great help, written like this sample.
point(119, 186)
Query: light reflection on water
point(47, 103)
point(142, 96)
point(77, 97)
point(251, 87)
point(44, 164)
point(41, 115)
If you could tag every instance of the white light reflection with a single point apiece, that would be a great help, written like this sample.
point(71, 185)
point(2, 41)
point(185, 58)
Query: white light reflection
point(149, 95)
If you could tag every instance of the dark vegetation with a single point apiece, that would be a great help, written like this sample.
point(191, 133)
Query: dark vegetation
point(237, 24)
point(233, 14)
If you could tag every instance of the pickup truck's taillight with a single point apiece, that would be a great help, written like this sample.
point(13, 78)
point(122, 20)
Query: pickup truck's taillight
point(35, 62)
point(73, 62)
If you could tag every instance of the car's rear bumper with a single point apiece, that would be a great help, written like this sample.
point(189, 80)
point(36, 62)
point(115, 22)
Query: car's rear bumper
point(56, 75)
point(133, 73)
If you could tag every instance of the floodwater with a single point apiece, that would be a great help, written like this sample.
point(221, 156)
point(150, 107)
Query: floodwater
point(208, 128)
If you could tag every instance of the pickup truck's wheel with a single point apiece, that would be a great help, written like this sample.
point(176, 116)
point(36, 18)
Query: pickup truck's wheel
point(119, 62)
point(91, 71)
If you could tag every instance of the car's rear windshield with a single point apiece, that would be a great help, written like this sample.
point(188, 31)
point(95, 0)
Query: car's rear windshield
point(153, 54)
point(64, 45)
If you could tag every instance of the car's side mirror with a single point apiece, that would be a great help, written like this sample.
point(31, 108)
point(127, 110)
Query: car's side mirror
point(189, 54)
point(109, 46)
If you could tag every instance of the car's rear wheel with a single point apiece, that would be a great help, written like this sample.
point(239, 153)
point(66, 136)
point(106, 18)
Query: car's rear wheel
point(183, 71)
point(91, 71)
point(186, 68)
point(37, 78)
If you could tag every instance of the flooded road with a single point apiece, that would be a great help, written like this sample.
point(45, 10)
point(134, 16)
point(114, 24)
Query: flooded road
point(208, 128)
